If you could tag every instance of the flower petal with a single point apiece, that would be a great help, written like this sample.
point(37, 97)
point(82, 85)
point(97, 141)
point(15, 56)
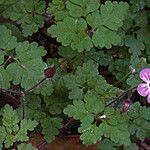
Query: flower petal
point(145, 75)
point(143, 89)
point(148, 98)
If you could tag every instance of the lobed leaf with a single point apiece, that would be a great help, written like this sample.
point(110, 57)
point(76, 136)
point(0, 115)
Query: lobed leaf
point(139, 121)
point(7, 42)
point(90, 134)
point(28, 68)
point(72, 32)
point(82, 8)
point(28, 13)
point(5, 78)
point(50, 128)
point(25, 146)
point(85, 110)
point(58, 9)
point(107, 22)
point(10, 129)
point(115, 127)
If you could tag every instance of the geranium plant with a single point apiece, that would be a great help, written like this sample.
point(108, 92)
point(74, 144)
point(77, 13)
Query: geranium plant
point(75, 67)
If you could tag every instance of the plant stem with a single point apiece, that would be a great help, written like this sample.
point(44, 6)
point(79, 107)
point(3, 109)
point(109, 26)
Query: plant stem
point(68, 123)
point(8, 98)
point(23, 105)
point(83, 56)
point(3, 64)
point(36, 85)
point(122, 94)
point(41, 145)
point(11, 91)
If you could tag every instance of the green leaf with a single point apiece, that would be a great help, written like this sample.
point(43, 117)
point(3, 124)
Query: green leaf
point(100, 57)
point(28, 68)
point(5, 78)
point(106, 144)
point(2, 134)
point(26, 125)
point(104, 37)
point(46, 88)
point(50, 128)
point(49, 125)
point(137, 5)
point(11, 131)
point(89, 69)
point(8, 2)
point(55, 104)
point(58, 9)
point(72, 32)
point(138, 64)
point(90, 133)
point(7, 42)
point(107, 22)
point(35, 114)
point(28, 13)
point(33, 101)
point(115, 127)
point(106, 91)
point(10, 125)
point(10, 119)
point(139, 121)
point(119, 68)
point(67, 53)
point(132, 146)
point(82, 8)
point(87, 78)
point(135, 45)
point(33, 108)
point(85, 111)
point(141, 19)
point(25, 146)
point(1, 146)
point(10, 139)
point(76, 82)
point(133, 80)
point(2, 54)
point(15, 31)
point(77, 110)
point(93, 103)
point(113, 14)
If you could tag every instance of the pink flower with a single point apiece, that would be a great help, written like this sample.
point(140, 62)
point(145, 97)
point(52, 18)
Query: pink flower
point(144, 88)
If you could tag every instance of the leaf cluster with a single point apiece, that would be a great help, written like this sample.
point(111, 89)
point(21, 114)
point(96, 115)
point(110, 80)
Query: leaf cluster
point(47, 114)
point(139, 121)
point(104, 22)
point(96, 40)
point(13, 129)
point(28, 13)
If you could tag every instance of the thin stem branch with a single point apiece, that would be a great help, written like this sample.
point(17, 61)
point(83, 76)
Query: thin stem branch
point(68, 123)
point(122, 79)
point(23, 106)
point(10, 99)
point(36, 85)
point(41, 145)
point(122, 94)
point(3, 64)
point(83, 56)
point(11, 91)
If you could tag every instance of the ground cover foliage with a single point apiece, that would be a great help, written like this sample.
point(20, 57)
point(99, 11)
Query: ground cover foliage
point(64, 60)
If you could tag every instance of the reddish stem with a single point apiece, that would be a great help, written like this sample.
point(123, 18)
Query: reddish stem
point(67, 124)
point(36, 85)
point(83, 56)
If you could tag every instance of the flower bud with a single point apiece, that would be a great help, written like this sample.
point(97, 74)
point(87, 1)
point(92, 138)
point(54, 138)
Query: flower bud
point(49, 72)
point(126, 105)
